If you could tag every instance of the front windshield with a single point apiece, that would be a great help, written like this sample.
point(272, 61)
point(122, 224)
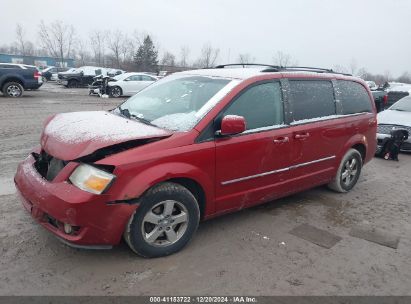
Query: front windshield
point(403, 104)
point(177, 102)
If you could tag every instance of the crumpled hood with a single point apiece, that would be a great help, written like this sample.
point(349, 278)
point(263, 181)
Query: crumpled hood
point(68, 136)
point(393, 117)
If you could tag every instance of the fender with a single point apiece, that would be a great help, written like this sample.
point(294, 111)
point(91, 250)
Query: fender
point(4, 78)
point(146, 179)
point(355, 140)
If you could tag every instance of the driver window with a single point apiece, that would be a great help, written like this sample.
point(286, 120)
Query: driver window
point(261, 106)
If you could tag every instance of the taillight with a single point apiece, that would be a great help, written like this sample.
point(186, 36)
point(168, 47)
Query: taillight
point(37, 74)
point(385, 100)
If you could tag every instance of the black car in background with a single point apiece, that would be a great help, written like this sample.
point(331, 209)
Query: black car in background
point(16, 78)
point(84, 76)
point(51, 73)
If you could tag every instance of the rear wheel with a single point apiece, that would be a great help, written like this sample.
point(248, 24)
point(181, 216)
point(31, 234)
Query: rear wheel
point(73, 84)
point(165, 221)
point(12, 89)
point(116, 91)
point(348, 172)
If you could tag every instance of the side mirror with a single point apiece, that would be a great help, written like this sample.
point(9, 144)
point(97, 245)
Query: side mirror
point(232, 124)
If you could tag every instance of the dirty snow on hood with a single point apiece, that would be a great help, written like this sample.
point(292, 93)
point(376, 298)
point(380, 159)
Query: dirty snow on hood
point(97, 125)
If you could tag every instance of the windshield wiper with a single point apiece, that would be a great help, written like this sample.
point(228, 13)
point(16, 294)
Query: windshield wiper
point(126, 113)
point(398, 110)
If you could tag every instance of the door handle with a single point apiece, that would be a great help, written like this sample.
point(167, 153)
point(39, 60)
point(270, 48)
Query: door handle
point(281, 140)
point(302, 135)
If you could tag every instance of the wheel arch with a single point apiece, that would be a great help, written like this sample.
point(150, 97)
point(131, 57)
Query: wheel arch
point(186, 175)
point(360, 147)
point(195, 188)
point(11, 79)
point(358, 142)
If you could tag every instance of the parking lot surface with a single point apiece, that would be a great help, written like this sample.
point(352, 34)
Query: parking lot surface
point(251, 252)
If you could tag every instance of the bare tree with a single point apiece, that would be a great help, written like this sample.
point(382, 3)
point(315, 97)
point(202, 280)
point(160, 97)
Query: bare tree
point(57, 39)
point(363, 73)
point(283, 59)
point(340, 68)
point(168, 59)
point(208, 56)
point(245, 58)
point(405, 78)
point(387, 76)
point(82, 54)
point(98, 41)
point(353, 67)
point(21, 41)
point(184, 53)
point(116, 41)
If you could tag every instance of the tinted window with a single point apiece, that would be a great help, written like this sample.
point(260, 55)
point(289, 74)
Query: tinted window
point(146, 78)
point(135, 78)
point(311, 99)
point(260, 105)
point(354, 98)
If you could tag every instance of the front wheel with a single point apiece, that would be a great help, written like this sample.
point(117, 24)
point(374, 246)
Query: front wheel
point(348, 172)
point(165, 221)
point(116, 91)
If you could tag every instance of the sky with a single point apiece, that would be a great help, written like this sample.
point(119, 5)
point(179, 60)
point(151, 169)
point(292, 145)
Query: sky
point(374, 34)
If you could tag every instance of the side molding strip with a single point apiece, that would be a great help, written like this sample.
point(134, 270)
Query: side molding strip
point(276, 171)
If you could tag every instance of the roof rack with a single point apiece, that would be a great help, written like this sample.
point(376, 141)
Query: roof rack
point(276, 68)
point(311, 69)
point(222, 66)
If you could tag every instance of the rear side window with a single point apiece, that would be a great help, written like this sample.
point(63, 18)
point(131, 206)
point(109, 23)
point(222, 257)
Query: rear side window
point(261, 106)
point(146, 78)
point(354, 97)
point(311, 99)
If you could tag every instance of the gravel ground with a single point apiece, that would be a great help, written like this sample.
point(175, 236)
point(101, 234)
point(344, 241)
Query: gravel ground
point(247, 253)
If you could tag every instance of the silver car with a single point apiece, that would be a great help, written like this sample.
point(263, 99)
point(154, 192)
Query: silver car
point(398, 116)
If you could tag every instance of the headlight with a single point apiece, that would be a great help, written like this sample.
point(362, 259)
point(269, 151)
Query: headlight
point(91, 179)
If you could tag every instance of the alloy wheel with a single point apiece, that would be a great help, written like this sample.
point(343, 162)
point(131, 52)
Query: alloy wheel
point(115, 92)
point(165, 223)
point(350, 171)
point(13, 90)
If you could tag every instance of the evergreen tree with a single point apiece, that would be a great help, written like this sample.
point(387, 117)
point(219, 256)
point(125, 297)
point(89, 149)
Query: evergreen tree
point(146, 56)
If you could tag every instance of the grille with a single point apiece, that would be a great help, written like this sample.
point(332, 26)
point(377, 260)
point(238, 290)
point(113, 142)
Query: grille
point(386, 129)
point(47, 165)
point(406, 146)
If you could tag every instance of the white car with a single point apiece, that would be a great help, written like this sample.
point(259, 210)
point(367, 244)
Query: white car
point(398, 116)
point(128, 84)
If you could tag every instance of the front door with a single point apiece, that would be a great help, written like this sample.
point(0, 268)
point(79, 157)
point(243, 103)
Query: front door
point(251, 167)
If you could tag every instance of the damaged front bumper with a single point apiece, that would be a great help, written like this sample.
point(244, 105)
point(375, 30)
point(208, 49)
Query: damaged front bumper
point(77, 217)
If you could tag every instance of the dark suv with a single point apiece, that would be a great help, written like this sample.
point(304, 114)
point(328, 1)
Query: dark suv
point(192, 146)
point(15, 78)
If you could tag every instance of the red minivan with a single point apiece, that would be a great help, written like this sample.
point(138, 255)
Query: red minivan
point(192, 146)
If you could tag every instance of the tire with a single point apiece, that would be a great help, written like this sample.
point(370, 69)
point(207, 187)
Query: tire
point(348, 172)
point(73, 84)
point(116, 92)
point(152, 230)
point(13, 89)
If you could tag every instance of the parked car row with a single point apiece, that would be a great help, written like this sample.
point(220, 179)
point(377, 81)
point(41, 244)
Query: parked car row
point(84, 76)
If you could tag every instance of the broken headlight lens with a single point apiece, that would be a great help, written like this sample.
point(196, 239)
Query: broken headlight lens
point(91, 179)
